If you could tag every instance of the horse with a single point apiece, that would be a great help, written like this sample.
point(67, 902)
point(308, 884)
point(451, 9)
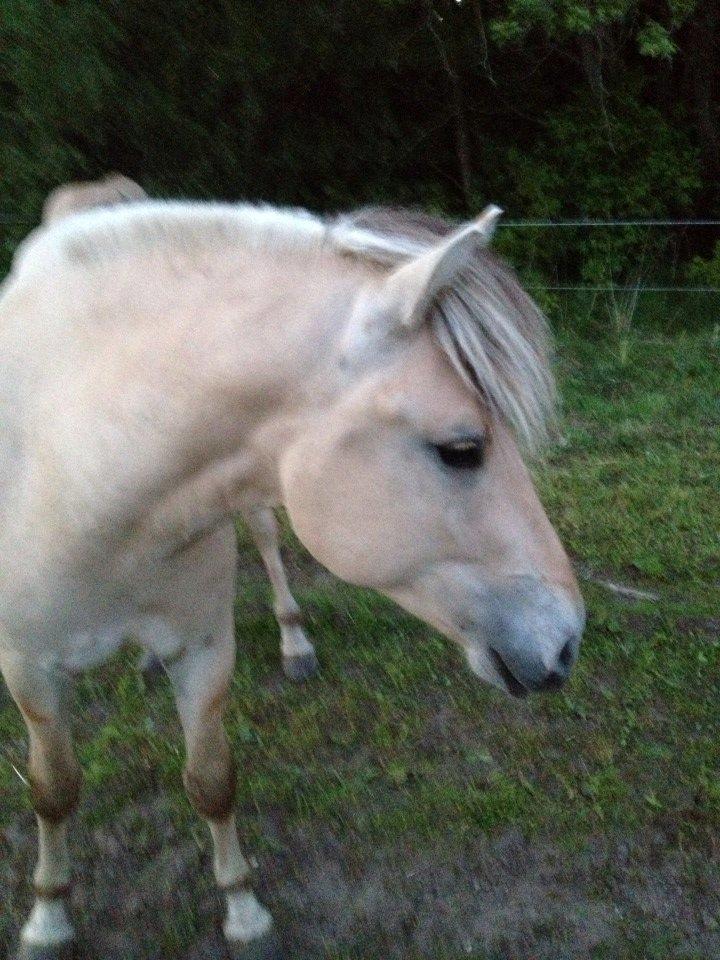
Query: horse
point(166, 365)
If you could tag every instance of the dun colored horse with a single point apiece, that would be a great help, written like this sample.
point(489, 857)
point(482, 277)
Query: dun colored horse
point(165, 366)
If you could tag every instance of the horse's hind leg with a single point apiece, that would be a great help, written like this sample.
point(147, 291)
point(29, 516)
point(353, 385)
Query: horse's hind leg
point(55, 777)
point(298, 654)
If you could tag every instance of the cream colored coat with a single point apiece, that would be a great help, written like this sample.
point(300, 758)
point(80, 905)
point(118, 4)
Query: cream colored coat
point(166, 366)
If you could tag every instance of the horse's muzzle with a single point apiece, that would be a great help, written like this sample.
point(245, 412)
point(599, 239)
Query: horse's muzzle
point(535, 681)
point(532, 631)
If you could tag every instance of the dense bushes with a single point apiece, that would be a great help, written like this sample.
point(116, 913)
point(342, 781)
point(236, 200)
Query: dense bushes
point(550, 107)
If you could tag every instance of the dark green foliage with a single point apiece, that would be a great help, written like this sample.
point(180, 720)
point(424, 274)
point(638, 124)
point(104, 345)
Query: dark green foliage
point(550, 107)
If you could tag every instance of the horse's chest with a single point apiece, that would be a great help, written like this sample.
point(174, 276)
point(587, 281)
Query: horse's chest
point(79, 610)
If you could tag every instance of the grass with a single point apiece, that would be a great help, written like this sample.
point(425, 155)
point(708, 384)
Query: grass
point(396, 739)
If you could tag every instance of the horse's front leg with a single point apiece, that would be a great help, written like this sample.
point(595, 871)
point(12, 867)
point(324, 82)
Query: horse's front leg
point(201, 678)
point(298, 654)
point(54, 774)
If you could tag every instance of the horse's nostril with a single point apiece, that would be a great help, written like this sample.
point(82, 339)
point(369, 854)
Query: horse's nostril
point(553, 681)
point(566, 655)
point(513, 685)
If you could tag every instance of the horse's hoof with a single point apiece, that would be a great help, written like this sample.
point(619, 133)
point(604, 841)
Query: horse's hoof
point(265, 947)
point(152, 670)
point(67, 950)
point(301, 666)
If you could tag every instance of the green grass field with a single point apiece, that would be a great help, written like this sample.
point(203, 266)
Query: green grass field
point(398, 808)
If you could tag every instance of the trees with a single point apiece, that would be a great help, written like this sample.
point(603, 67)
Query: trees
point(554, 107)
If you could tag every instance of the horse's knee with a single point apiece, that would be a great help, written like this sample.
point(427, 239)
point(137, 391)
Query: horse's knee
point(210, 785)
point(54, 791)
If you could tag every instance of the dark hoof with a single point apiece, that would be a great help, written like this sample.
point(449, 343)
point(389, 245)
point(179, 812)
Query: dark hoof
point(152, 670)
point(266, 947)
point(301, 667)
point(62, 951)
point(213, 947)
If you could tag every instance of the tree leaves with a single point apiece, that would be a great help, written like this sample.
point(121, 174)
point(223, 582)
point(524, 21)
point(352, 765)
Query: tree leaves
point(552, 107)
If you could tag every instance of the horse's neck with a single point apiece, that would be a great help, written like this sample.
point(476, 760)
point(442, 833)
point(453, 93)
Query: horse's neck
point(269, 345)
point(273, 367)
point(190, 414)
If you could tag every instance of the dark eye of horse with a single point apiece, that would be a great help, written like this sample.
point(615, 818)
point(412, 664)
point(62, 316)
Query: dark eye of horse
point(464, 454)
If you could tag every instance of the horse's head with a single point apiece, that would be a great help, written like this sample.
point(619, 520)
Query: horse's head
point(410, 480)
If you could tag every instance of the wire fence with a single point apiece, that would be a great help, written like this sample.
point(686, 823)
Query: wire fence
point(587, 223)
point(613, 288)
point(622, 288)
point(609, 223)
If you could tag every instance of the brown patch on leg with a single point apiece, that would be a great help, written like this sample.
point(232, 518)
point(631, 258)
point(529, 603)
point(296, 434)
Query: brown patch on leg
point(61, 892)
point(211, 792)
point(242, 885)
point(295, 619)
point(54, 773)
point(31, 714)
point(218, 700)
point(56, 798)
point(210, 776)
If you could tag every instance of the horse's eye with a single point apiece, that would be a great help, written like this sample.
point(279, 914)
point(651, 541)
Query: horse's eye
point(466, 454)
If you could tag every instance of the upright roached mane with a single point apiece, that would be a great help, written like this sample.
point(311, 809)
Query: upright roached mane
point(492, 332)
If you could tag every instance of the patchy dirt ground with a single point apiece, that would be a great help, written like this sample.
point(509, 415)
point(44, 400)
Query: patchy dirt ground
point(144, 891)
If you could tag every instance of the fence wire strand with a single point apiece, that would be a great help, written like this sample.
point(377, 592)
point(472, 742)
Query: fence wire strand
point(584, 223)
point(609, 223)
point(614, 288)
point(617, 288)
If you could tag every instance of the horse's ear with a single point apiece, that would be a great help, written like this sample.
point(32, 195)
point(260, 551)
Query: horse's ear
point(413, 286)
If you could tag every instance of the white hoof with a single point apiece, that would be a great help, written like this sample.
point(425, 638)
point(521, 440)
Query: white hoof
point(246, 919)
point(48, 926)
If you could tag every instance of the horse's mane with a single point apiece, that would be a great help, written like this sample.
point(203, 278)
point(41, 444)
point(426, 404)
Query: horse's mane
point(492, 332)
